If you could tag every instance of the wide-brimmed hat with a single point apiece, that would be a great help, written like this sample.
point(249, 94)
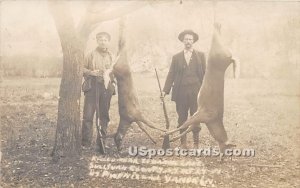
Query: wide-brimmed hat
point(103, 34)
point(191, 32)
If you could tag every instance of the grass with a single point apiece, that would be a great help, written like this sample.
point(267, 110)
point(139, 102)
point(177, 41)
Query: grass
point(262, 114)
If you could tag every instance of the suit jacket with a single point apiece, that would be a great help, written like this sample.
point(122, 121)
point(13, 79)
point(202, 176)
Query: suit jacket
point(177, 67)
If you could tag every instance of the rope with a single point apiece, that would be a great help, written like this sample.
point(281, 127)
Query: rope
point(214, 10)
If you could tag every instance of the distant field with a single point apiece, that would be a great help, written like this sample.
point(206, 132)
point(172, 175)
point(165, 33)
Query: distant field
point(259, 114)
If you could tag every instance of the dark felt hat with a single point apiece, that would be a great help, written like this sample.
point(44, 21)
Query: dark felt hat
point(103, 34)
point(191, 32)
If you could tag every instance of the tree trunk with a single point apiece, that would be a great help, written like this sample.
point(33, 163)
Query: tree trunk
point(68, 137)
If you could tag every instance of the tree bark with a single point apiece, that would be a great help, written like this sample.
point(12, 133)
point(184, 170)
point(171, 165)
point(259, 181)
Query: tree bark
point(67, 138)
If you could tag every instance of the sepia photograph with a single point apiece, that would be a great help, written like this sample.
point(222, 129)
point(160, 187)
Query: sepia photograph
point(150, 93)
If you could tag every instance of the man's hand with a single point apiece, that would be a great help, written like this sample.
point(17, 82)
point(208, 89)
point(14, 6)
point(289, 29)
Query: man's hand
point(96, 73)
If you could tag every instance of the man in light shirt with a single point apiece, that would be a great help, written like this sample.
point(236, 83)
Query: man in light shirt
point(96, 64)
point(185, 78)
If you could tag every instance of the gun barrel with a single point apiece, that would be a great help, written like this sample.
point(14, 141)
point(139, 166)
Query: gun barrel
point(158, 81)
point(163, 101)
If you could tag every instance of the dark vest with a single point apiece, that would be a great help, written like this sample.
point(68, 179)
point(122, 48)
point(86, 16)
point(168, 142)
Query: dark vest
point(190, 74)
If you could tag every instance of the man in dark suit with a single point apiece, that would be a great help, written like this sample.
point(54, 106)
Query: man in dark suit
point(185, 78)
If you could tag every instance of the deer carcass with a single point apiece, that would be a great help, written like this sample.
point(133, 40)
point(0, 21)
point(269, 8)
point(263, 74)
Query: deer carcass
point(211, 95)
point(129, 107)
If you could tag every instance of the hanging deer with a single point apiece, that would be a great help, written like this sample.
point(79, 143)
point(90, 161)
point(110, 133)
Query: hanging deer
point(129, 107)
point(211, 95)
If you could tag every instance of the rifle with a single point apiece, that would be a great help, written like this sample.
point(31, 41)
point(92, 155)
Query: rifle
point(166, 142)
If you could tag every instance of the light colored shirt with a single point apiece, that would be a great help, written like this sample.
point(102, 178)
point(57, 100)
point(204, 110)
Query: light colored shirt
point(188, 55)
point(96, 60)
point(101, 60)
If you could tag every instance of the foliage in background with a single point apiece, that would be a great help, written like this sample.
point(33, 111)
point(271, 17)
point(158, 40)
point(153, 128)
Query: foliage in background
point(263, 36)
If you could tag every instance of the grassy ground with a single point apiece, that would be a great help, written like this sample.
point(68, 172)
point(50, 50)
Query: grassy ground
point(259, 114)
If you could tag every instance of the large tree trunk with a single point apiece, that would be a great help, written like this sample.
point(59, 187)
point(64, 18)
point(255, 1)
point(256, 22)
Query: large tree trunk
point(67, 138)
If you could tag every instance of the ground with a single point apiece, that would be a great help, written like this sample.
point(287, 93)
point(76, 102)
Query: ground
point(260, 114)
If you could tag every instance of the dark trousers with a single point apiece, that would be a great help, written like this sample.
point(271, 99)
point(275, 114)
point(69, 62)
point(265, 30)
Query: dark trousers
point(90, 108)
point(186, 104)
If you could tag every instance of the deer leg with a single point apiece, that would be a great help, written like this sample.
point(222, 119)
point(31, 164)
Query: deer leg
point(193, 120)
point(150, 124)
point(183, 133)
point(122, 129)
point(218, 132)
point(145, 131)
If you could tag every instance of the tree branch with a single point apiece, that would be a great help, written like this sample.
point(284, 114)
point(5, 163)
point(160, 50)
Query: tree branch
point(92, 17)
